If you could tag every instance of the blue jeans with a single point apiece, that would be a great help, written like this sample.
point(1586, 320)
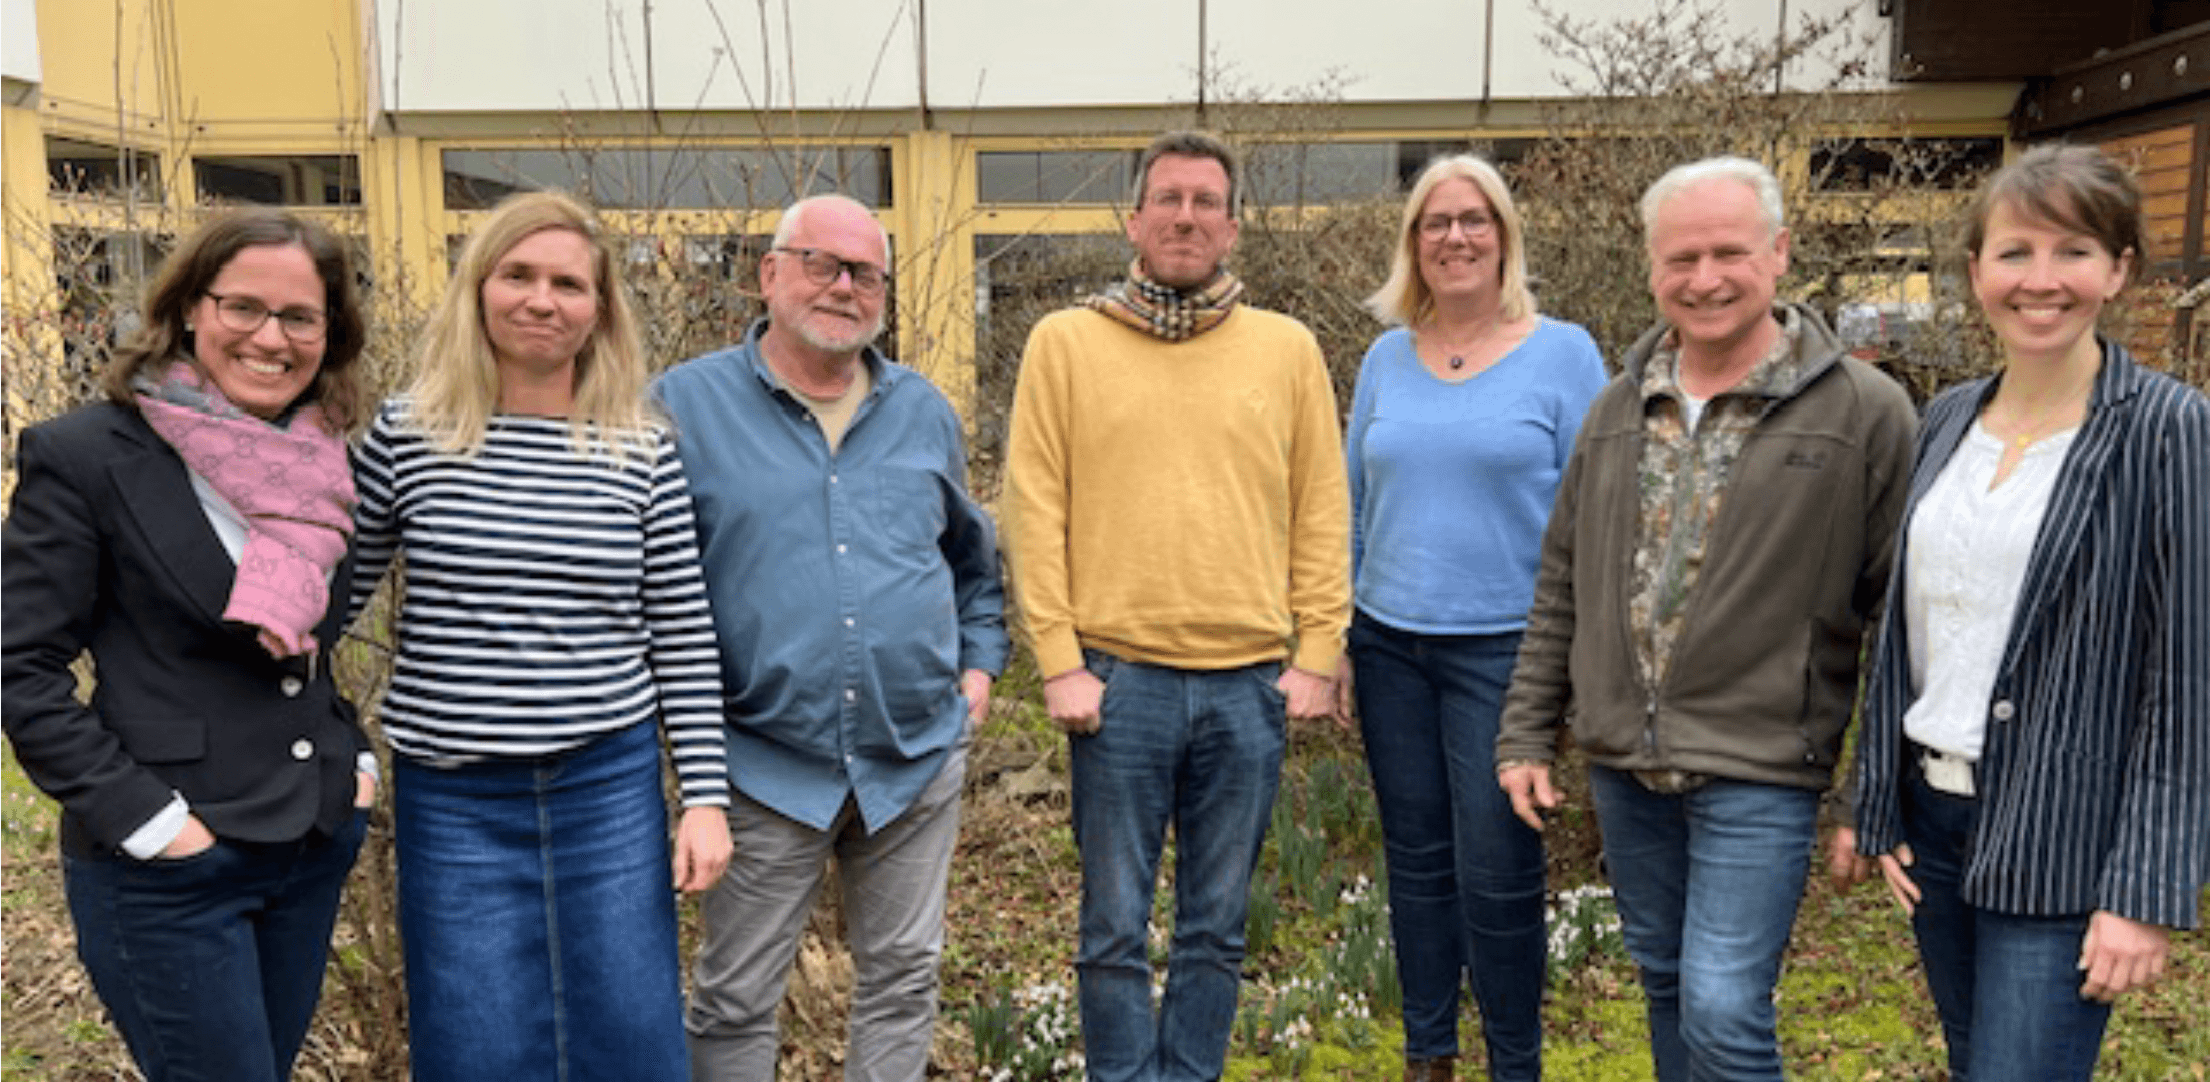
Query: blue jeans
point(1201, 750)
point(2007, 987)
point(212, 964)
point(1707, 884)
point(538, 916)
point(1466, 879)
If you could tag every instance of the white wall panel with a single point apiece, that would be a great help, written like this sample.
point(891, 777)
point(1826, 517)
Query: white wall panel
point(550, 55)
point(1061, 52)
point(742, 54)
point(497, 55)
point(19, 40)
point(1525, 68)
point(1391, 50)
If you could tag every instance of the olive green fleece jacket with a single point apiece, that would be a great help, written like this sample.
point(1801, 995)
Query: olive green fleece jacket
point(1177, 503)
point(1764, 673)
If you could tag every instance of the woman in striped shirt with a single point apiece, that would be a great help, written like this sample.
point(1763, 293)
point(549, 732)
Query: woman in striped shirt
point(552, 621)
point(2034, 772)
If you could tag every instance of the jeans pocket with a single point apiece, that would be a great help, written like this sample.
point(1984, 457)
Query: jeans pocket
point(1101, 665)
point(1268, 675)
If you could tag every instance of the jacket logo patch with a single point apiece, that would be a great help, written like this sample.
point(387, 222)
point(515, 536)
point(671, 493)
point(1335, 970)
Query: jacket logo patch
point(1806, 460)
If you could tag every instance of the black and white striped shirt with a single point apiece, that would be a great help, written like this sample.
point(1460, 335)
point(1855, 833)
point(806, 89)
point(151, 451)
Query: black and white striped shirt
point(550, 597)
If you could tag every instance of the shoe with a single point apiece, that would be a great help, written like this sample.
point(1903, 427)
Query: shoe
point(1438, 1069)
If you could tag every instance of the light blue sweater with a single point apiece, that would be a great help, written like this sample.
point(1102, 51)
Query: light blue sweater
point(1451, 483)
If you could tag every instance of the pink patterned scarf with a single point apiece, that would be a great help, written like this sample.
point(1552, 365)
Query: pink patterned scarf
point(292, 484)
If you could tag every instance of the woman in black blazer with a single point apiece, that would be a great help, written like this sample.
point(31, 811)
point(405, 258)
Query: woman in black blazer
point(191, 533)
point(2034, 772)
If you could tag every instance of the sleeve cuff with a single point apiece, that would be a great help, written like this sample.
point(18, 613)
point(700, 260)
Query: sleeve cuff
point(156, 833)
point(1319, 656)
point(1057, 655)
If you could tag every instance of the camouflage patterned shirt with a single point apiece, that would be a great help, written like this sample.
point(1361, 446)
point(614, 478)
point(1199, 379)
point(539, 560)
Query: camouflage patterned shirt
point(1684, 479)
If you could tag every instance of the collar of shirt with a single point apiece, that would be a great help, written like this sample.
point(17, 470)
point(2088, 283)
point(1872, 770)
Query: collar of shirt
point(1779, 372)
point(880, 373)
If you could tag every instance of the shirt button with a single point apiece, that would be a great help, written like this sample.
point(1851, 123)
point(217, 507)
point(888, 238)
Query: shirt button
point(850, 695)
point(840, 550)
point(832, 478)
point(290, 686)
point(2004, 710)
point(302, 749)
point(848, 621)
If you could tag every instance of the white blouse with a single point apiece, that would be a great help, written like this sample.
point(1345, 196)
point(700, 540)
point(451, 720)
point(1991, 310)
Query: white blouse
point(1970, 540)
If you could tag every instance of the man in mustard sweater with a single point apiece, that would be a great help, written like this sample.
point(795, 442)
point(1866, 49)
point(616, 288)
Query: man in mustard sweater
point(1178, 526)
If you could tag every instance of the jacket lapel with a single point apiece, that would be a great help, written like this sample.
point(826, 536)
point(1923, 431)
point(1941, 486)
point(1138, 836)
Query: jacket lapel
point(157, 494)
point(2079, 488)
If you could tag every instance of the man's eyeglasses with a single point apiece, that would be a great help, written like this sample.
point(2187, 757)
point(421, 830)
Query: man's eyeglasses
point(245, 316)
point(823, 269)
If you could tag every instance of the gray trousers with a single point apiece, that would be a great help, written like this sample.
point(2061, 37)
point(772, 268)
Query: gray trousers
point(893, 884)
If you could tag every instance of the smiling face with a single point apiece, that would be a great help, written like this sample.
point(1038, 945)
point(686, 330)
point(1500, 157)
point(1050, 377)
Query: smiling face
point(2042, 284)
point(1464, 257)
point(1715, 264)
point(541, 301)
point(1184, 227)
point(262, 371)
point(836, 317)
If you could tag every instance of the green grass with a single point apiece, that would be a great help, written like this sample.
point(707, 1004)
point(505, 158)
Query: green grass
point(1318, 1002)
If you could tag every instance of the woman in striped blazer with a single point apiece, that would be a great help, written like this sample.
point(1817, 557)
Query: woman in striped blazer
point(553, 624)
point(2034, 771)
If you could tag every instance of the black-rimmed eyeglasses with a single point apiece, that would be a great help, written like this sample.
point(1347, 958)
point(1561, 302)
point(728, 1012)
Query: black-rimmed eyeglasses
point(823, 268)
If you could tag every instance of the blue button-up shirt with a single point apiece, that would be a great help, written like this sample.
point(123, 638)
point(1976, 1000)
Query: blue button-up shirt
point(850, 588)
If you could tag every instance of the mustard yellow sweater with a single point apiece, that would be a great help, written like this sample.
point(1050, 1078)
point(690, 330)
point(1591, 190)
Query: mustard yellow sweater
point(1180, 503)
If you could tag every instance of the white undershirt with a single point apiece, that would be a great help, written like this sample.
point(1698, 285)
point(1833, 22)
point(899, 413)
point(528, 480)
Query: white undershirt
point(1969, 546)
point(1692, 410)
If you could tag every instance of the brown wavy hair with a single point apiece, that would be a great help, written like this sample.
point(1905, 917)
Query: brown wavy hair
point(184, 277)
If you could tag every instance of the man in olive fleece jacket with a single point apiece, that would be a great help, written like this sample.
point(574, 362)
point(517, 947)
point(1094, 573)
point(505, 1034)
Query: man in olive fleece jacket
point(1719, 547)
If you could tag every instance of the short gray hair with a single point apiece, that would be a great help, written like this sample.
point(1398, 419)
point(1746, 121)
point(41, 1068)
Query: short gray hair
point(1750, 174)
point(794, 212)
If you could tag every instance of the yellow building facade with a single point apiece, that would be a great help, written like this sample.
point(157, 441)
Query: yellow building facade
point(400, 127)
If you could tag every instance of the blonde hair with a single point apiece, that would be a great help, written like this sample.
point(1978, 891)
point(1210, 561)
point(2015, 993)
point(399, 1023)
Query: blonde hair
point(456, 383)
point(1405, 298)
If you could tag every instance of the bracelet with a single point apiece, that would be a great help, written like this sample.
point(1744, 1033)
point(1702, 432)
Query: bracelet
point(1514, 764)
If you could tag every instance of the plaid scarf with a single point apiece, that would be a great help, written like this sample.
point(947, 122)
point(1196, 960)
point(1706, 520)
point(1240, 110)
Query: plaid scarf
point(1166, 312)
point(292, 484)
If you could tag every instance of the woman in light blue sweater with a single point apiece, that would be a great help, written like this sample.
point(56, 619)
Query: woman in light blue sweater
point(1463, 419)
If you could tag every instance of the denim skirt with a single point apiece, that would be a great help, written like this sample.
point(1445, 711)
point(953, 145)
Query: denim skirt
point(538, 915)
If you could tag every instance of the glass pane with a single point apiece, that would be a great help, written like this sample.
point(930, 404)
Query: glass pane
point(671, 178)
point(293, 180)
point(1053, 176)
point(76, 167)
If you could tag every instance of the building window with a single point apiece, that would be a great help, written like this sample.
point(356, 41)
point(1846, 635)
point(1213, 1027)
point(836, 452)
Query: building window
point(1054, 176)
point(1859, 165)
point(75, 167)
point(671, 178)
point(1413, 155)
point(299, 180)
point(1306, 174)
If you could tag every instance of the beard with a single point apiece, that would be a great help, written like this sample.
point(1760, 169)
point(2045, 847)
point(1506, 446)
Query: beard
point(828, 341)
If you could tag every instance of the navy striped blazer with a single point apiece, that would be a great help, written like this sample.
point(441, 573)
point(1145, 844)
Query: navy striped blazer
point(2094, 779)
